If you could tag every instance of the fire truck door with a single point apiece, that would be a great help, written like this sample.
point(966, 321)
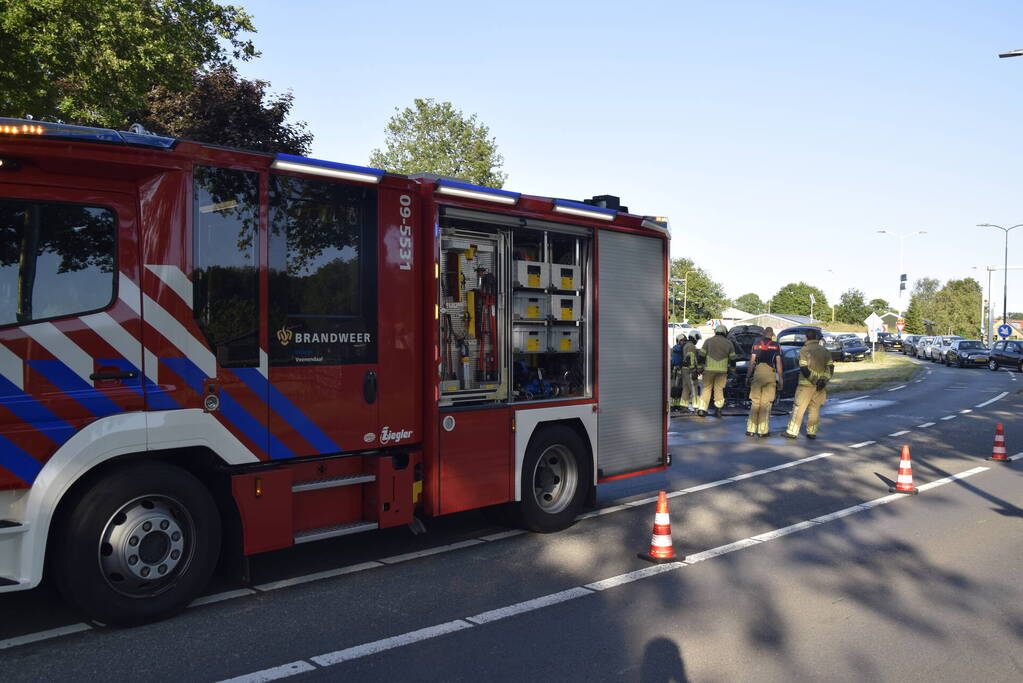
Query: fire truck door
point(70, 340)
point(324, 371)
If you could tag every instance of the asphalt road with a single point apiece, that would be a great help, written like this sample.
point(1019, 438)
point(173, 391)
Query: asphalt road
point(799, 566)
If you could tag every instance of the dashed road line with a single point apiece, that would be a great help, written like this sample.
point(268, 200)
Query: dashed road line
point(900, 433)
point(901, 386)
point(1016, 457)
point(950, 417)
point(862, 444)
point(926, 424)
point(850, 400)
point(501, 613)
point(220, 597)
point(44, 635)
point(990, 401)
point(966, 410)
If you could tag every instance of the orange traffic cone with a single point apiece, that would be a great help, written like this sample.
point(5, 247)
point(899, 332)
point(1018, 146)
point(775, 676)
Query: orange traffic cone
point(998, 452)
point(904, 484)
point(660, 541)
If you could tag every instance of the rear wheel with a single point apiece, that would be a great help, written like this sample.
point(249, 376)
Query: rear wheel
point(556, 475)
point(992, 365)
point(138, 545)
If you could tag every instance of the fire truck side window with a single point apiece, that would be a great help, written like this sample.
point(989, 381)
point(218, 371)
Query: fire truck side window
point(322, 272)
point(55, 260)
point(225, 237)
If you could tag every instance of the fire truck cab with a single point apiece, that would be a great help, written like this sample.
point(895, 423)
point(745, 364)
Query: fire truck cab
point(208, 350)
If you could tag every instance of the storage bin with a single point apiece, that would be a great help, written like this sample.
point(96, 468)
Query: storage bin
point(529, 306)
point(565, 277)
point(566, 308)
point(532, 274)
point(563, 339)
point(529, 339)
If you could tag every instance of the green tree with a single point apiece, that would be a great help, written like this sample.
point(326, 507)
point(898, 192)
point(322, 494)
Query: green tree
point(702, 299)
point(879, 306)
point(92, 61)
point(958, 307)
point(851, 308)
point(751, 303)
point(794, 299)
point(434, 137)
point(914, 319)
point(224, 109)
point(925, 293)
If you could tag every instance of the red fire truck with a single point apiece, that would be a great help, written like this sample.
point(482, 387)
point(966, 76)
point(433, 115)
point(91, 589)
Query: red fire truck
point(205, 348)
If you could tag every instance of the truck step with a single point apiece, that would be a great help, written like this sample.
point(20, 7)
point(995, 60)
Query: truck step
point(333, 482)
point(331, 531)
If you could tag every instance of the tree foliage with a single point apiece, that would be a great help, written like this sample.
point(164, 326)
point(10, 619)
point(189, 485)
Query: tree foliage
point(222, 108)
point(751, 303)
point(914, 319)
point(958, 308)
point(851, 308)
point(794, 299)
point(879, 306)
point(93, 61)
point(434, 137)
point(700, 300)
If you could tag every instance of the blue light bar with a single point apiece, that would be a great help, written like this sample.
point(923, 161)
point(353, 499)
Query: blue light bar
point(487, 194)
point(330, 169)
point(64, 131)
point(584, 210)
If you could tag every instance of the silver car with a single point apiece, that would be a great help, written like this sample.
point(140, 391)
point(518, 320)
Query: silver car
point(940, 346)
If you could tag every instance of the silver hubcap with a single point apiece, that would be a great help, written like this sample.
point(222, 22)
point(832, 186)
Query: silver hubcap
point(991, 364)
point(555, 479)
point(145, 545)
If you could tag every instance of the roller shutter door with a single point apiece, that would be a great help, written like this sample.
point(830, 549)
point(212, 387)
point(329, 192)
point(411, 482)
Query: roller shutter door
point(631, 358)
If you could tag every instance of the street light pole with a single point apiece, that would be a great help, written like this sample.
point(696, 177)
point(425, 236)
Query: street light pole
point(685, 293)
point(902, 238)
point(1005, 286)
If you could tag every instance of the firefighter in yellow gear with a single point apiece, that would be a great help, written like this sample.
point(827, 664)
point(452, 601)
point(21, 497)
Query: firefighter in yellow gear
point(815, 371)
point(677, 373)
point(764, 377)
point(717, 358)
point(689, 374)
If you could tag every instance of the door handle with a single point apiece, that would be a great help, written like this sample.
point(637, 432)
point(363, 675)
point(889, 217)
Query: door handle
point(127, 374)
point(369, 386)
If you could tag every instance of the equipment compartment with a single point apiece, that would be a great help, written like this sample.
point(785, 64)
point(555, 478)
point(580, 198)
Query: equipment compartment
point(561, 339)
point(529, 339)
point(565, 278)
point(566, 308)
point(529, 306)
point(530, 274)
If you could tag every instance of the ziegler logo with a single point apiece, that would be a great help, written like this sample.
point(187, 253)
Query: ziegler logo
point(387, 436)
point(284, 336)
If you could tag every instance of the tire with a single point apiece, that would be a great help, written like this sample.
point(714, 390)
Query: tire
point(162, 511)
point(556, 476)
point(992, 365)
point(961, 363)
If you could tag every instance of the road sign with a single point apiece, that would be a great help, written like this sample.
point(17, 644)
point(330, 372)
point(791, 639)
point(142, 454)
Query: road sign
point(900, 324)
point(1004, 331)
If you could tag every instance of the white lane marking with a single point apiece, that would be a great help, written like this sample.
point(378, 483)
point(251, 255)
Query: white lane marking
point(395, 559)
point(276, 673)
point(901, 386)
point(858, 398)
point(330, 573)
point(990, 401)
point(501, 535)
point(966, 410)
point(862, 444)
point(44, 635)
point(404, 639)
point(429, 632)
point(900, 433)
point(12, 367)
point(926, 424)
point(950, 417)
point(529, 605)
point(1016, 457)
point(173, 277)
point(63, 349)
point(653, 499)
point(220, 597)
point(600, 512)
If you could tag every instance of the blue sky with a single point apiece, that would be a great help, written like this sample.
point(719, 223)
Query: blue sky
point(778, 137)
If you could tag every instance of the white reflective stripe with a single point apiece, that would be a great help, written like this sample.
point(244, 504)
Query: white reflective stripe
point(905, 479)
point(905, 464)
point(178, 335)
point(661, 541)
point(128, 292)
point(152, 366)
point(662, 518)
point(264, 364)
point(12, 367)
point(112, 333)
point(62, 348)
point(173, 277)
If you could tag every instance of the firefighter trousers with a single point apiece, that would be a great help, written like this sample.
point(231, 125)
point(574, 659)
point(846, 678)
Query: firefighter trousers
point(688, 388)
point(713, 385)
point(761, 396)
point(808, 400)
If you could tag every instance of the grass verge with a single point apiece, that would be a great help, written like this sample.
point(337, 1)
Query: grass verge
point(885, 368)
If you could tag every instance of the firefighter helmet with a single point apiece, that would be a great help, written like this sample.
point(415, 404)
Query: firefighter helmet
point(720, 329)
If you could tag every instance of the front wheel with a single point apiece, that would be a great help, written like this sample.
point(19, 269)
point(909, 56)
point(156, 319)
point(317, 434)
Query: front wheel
point(992, 365)
point(556, 475)
point(961, 363)
point(138, 545)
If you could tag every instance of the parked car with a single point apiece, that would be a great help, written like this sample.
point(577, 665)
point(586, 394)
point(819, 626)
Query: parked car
point(848, 335)
point(891, 342)
point(922, 345)
point(853, 350)
point(796, 336)
point(909, 344)
point(1006, 353)
point(936, 351)
point(737, 391)
point(966, 352)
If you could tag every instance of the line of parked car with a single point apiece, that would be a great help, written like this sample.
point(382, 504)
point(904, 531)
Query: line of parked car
point(952, 349)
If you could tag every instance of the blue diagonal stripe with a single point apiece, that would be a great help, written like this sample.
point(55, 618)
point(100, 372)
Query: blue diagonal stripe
point(17, 461)
point(76, 388)
point(288, 411)
point(156, 397)
point(33, 412)
point(230, 409)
